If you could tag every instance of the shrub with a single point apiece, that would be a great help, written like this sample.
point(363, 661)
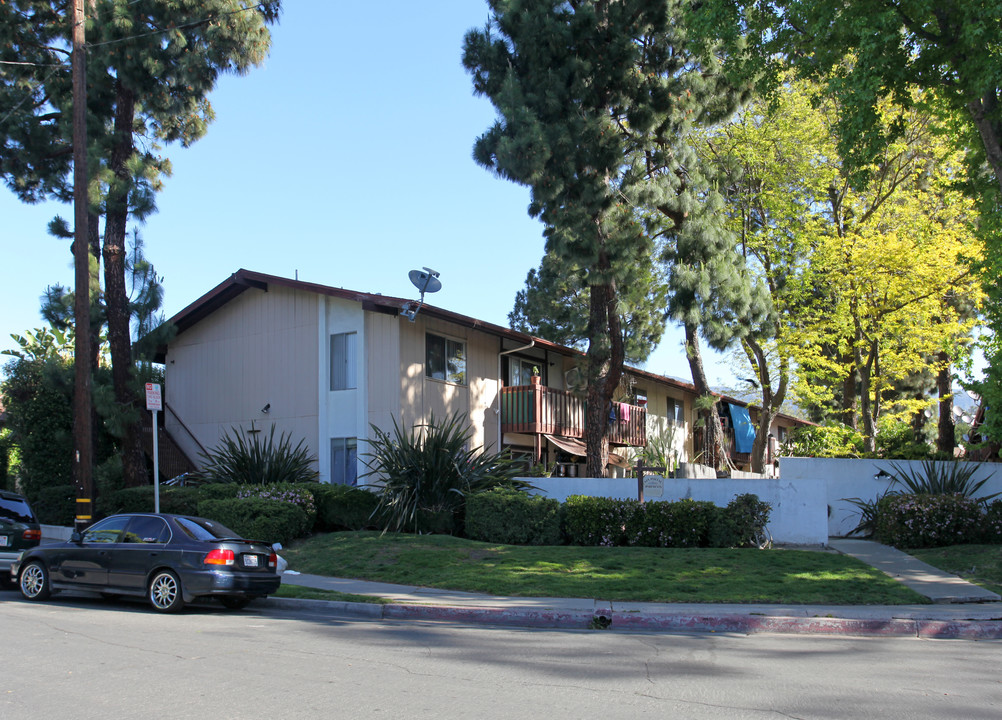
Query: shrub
point(177, 501)
point(597, 520)
point(430, 471)
point(917, 521)
point(513, 517)
point(742, 523)
point(897, 439)
point(246, 460)
point(342, 507)
point(992, 523)
point(269, 521)
point(55, 505)
point(299, 495)
point(677, 524)
point(833, 440)
point(218, 490)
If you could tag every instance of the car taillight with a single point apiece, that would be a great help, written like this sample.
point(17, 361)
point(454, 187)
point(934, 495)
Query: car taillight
point(220, 557)
point(32, 535)
point(273, 560)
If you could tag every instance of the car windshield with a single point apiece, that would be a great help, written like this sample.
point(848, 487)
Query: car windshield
point(15, 510)
point(205, 530)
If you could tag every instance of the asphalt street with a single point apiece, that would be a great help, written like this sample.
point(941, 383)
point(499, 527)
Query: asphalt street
point(87, 658)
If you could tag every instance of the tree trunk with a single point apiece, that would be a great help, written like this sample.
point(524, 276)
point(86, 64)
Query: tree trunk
point(946, 440)
point(713, 453)
point(116, 296)
point(991, 134)
point(605, 368)
point(771, 401)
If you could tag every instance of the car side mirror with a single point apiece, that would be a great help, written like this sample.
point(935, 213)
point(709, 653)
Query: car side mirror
point(76, 537)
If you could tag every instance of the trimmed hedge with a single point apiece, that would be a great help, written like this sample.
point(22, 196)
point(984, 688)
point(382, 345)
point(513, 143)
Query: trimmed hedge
point(176, 501)
point(918, 521)
point(342, 507)
point(513, 517)
point(298, 494)
point(681, 523)
point(56, 505)
point(270, 521)
point(597, 520)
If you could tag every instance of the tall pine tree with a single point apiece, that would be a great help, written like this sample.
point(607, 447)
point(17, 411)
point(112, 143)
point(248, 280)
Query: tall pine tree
point(150, 68)
point(594, 100)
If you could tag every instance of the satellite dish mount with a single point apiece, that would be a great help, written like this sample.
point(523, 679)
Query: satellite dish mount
point(426, 280)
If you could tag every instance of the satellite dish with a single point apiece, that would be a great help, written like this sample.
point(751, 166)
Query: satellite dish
point(928, 413)
point(973, 396)
point(426, 280)
point(957, 412)
point(966, 418)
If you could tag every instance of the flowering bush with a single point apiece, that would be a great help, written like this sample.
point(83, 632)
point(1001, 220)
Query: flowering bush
point(991, 527)
point(597, 520)
point(290, 493)
point(684, 523)
point(915, 521)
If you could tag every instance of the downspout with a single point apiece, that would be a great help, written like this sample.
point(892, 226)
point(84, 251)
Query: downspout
point(498, 410)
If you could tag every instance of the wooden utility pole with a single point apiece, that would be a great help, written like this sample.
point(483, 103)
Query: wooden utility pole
point(82, 431)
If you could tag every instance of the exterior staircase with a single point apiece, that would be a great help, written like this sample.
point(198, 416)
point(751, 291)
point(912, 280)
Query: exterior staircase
point(172, 459)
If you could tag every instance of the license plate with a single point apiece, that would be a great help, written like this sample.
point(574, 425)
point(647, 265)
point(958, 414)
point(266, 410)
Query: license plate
point(3, 541)
point(250, 561)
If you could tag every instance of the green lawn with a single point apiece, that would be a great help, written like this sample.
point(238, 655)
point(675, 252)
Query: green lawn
point(979, 564)
point(641, 574)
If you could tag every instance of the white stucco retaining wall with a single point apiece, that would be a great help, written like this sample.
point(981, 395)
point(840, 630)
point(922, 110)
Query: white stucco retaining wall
point(845, 479)
point(798, 509)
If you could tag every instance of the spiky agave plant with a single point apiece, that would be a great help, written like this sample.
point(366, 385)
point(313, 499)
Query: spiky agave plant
point(941, 478)
point(431, 469)
point(242, 459)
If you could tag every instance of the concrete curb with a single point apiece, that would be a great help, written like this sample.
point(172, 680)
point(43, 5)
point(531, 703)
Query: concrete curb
point(627, 621)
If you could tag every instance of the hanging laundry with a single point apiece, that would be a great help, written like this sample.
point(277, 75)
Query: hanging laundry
point(624, 412)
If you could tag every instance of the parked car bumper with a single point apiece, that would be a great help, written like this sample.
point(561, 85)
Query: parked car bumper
point(219, 582)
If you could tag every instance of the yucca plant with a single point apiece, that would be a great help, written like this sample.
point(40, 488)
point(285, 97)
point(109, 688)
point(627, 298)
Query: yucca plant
point(428, 472)
point(941, 478)
point(243, 459)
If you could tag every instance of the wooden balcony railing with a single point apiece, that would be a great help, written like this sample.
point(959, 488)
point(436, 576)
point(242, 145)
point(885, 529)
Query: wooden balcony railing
point(539, 410)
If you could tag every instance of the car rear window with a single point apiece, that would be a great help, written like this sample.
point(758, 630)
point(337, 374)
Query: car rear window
point(15, 510)
point(204, 530)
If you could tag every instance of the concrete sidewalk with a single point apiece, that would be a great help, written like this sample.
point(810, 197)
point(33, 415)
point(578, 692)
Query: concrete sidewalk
point(974, 613)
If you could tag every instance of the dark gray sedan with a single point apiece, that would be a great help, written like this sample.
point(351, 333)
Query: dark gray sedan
point(169, 559)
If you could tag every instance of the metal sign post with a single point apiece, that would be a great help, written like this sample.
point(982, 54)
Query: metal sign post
point(154, 403)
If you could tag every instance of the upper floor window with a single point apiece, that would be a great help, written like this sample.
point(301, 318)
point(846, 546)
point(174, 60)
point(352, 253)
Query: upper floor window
point(445, 359)
point(343, 374)
point(676, 412)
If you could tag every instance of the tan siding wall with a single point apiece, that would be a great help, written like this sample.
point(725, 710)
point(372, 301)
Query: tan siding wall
point(382, 353)
point(422, 397)
point(258, 349)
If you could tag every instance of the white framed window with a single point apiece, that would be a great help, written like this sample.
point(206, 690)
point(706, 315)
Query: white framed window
point(343, 363)
point(676, 412)
point(344, 461)
point(445, 359)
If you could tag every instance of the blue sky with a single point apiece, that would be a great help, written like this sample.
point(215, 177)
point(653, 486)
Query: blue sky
point(346, 158)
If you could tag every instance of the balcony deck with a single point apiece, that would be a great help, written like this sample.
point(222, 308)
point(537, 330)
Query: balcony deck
point(539, 410)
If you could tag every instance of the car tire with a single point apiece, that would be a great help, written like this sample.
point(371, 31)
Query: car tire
point(234, 603)
point(34, 581)
point(165, 594)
